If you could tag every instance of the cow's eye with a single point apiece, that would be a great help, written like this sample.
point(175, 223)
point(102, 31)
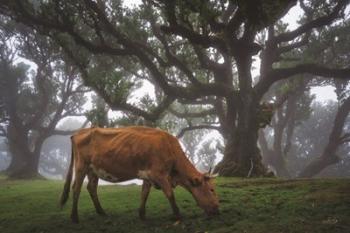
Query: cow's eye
point(212, 190)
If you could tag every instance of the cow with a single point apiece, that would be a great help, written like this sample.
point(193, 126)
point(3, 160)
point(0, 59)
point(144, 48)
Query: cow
point(120, 154)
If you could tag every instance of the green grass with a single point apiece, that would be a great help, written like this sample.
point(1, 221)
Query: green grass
point(252, 206)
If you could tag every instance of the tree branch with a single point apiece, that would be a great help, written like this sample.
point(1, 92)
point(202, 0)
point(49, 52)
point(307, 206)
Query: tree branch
point(192, 114)
point(289, 47)
point(319, 22)
point(314, 69)
point(194, 37)
point(189, 128)
point(284, 73)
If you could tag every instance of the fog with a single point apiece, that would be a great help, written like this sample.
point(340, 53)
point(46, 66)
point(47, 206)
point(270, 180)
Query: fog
point(278, 106)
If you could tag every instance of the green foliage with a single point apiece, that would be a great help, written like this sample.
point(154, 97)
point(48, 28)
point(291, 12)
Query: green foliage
point(263, 13)
point(110, 83)
point(98, 115)
point(254, 205)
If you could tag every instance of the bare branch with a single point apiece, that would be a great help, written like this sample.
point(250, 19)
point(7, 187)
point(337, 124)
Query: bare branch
point(192, 114)
point(345, 138)
point(289, 47)
point(314, 69)
point(190, 128)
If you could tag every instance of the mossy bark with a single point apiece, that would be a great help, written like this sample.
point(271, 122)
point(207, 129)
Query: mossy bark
point(24, 162)
point(242, 156)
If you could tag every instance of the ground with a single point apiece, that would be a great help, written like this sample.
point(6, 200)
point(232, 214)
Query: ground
point(252, 206)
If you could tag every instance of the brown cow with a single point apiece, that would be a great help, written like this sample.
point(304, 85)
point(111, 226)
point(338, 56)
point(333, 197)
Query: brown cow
point(122, 154)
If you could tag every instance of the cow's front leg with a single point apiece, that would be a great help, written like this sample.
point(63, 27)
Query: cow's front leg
point(168, 191)
point(146, 187)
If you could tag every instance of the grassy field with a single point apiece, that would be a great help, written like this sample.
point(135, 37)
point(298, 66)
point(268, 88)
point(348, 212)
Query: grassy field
point(252, 206)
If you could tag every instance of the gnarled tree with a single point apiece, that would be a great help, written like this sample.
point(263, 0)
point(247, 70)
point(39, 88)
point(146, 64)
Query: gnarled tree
point(193, 51)
point(34, 101)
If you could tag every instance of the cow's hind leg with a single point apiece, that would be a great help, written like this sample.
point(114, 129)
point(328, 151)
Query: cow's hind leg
point(168, 191)
point(78, 181)
point(92, 188)
point(146, 187)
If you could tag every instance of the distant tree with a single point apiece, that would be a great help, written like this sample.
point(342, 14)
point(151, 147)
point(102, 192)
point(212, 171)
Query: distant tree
point(98, 115)
point(33, 102)
point(4, 156)
point(191, 124)
point(310, 135)
point(56, 149)
point(289, 115)
point(207, 154)
point(292, 100)
point(337, 137)
point(194, 52)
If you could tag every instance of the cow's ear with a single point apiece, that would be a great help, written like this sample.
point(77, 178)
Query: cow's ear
point(195, 182)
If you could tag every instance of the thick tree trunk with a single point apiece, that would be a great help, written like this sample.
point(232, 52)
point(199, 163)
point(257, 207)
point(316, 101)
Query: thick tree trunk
point(242, 156)
point(24, 163)
point(17, 161)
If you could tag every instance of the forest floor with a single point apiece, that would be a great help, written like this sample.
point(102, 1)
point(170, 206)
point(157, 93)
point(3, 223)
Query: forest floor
point(251, 206)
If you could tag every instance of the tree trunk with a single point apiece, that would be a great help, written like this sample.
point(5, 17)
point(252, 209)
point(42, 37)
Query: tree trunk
point(23, 166)
point(24, 163)
point(242, 156)
point(317, 165)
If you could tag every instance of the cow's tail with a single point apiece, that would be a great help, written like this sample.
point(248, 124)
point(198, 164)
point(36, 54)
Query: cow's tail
point(66, 189)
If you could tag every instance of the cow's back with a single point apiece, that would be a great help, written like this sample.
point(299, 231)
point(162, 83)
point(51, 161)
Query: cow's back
point(125, 152)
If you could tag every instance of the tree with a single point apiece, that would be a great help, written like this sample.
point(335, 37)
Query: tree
point(292, 100)
point(191, 124)
point(193, 51)
point(336, 138)
point(56, 152)
point(98, 115)
point(34, 101)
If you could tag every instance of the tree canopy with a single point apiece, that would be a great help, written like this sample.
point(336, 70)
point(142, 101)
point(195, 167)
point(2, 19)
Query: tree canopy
point(193, 52)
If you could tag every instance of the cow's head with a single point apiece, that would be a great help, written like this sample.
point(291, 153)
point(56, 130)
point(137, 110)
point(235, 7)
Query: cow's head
point(203, 191)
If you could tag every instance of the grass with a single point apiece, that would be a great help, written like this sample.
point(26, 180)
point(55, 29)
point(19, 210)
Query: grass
point(254, 206)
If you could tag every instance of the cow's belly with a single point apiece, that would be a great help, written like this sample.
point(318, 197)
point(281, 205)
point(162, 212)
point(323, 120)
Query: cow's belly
point(114, 167)
point(119, 175)
point(105, 175)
